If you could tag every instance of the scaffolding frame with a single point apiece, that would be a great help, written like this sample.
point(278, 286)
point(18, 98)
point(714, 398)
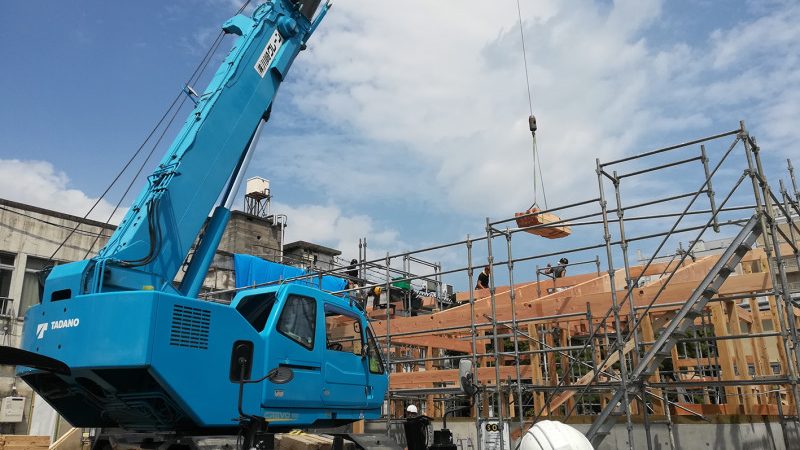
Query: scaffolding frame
point(617, 339)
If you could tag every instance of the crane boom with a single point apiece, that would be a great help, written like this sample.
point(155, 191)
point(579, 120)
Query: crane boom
point(159, 230)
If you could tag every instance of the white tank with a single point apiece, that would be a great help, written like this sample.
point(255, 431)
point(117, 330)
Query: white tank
point(552, 435)
point(257, 186)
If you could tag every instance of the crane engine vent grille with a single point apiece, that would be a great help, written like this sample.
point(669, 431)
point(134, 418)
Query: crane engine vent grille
point(190, 327)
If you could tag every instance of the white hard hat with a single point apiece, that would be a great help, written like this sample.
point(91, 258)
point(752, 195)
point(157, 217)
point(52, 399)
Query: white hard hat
point(412, 409)
point(552, 435)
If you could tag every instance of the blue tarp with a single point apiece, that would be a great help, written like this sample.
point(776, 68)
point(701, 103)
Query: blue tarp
point(251, 270)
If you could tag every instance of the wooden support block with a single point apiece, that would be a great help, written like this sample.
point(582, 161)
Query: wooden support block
point(302, 442)
point(24, 442)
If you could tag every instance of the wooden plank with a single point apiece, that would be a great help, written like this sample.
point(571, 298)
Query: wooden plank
point(20, 442)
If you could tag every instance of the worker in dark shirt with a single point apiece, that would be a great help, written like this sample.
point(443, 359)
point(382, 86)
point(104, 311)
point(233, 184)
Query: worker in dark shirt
point(352, 271)
point(560, 270)
point(483, 278)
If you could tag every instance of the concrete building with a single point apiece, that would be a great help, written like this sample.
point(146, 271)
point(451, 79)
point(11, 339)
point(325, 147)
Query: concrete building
point(310, 255)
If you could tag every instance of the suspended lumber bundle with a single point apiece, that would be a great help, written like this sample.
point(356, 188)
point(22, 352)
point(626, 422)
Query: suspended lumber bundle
point(537, 218)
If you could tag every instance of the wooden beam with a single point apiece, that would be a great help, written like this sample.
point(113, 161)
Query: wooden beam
point(439, 342)
point(427, 378)
point(726, 353)
point(649, 336)
point(572, 300)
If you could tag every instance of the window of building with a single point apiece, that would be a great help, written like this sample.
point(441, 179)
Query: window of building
point(256, 309)
point(6, 270)
point(298, 320)
point(776, 368)
point(374, 354)
point(31, 287)
point(343, 333)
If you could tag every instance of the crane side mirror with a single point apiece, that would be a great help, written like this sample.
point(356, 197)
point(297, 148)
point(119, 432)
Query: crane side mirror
point(465, 377)
point(241, 361)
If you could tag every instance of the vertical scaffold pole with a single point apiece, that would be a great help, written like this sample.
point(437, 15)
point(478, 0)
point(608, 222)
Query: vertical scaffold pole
point(473, 337)
point(515, 331)
point(632, 320)
point(495, 341)
point(615, 307)
point(388, 346)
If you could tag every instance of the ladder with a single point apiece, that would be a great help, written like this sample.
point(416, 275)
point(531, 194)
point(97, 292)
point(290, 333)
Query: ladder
point(679, 325)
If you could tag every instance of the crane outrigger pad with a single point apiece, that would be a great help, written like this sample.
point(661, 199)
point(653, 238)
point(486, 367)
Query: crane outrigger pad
point(533, 217)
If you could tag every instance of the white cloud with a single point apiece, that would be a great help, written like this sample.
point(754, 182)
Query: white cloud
point(443, 87)
point(329, 225)
point(40, 184)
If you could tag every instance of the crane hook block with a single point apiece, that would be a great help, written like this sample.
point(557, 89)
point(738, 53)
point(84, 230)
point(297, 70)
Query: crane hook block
point(532, 123)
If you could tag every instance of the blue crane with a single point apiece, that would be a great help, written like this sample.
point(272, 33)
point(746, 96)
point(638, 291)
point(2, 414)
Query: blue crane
point(116, 344)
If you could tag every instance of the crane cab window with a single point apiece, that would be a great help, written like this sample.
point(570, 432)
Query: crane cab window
point(256, 309)
point(298, 320)
point(374, 354)
point(343, 332)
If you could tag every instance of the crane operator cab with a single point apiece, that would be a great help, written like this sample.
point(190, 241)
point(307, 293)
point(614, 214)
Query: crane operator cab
point(321, 354)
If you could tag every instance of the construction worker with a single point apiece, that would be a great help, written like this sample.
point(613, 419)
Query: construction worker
point(375, 293)
point(561, 269)
point(352, 271)
point(483, 278)
point(416, 429)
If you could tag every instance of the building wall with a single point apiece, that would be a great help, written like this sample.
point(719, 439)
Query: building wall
point(252, 235)
point(309, 259)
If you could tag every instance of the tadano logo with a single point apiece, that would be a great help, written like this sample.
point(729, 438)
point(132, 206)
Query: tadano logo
point(55, 325)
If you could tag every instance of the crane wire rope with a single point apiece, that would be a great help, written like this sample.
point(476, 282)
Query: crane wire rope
point(538, 178)
point(195, 76)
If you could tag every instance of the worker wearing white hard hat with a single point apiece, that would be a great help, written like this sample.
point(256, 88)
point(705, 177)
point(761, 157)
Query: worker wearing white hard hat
point(412, 411)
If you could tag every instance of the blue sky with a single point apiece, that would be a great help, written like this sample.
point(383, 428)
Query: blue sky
point(404, 123)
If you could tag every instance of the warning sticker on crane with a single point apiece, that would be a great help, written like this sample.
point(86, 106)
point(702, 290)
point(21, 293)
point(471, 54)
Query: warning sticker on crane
point(270, 50)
